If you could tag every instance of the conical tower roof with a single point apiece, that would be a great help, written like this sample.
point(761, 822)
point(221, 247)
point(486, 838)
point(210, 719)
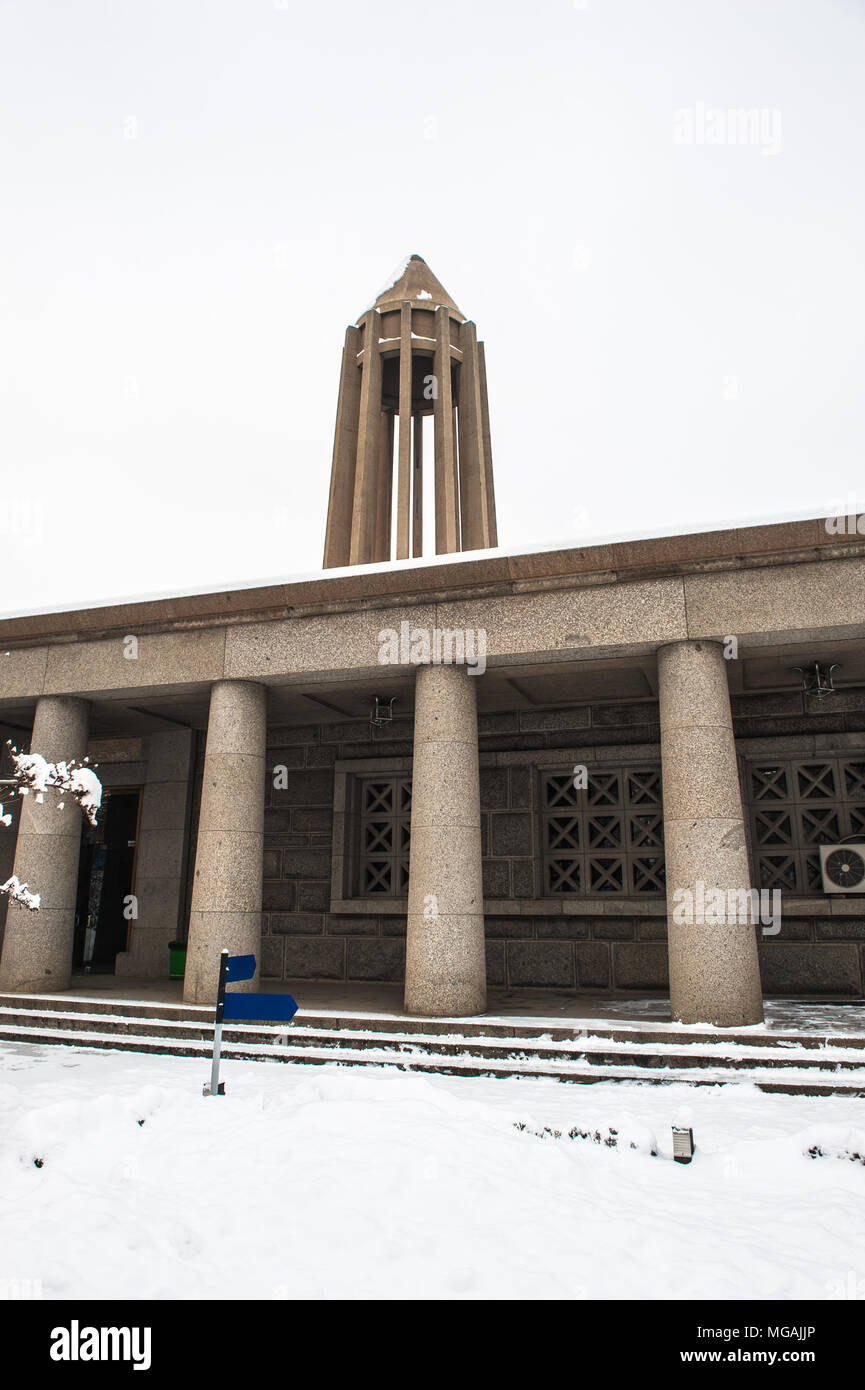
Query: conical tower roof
point(414, 280)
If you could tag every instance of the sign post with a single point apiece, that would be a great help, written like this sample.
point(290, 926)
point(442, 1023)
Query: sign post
point(217, 1088)
point(242, 1007)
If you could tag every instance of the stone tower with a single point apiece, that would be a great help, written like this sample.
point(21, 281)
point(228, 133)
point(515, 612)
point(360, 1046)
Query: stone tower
point(411, 354)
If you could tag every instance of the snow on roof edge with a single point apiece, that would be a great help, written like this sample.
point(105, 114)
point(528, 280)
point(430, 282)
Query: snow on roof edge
point(583, 542)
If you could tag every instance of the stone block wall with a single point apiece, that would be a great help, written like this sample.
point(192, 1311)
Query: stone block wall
point(161, 867)
point(301, 938)
point(599, 945)
point(564, 943)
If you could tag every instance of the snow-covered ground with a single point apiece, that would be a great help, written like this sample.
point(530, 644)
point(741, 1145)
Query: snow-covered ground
point(335, 1182)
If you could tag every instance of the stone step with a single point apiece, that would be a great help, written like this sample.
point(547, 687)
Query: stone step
point(420, 1059)
point(573, 1059)
point(481, 1027)
point(593, 1050)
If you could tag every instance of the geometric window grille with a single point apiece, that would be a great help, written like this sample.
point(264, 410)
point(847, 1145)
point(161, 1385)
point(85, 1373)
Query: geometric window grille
point(606, 838)
point(385, 828)
point(794, 807)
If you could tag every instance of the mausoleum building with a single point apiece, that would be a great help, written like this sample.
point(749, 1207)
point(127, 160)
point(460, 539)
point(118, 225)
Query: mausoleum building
point(561, 770)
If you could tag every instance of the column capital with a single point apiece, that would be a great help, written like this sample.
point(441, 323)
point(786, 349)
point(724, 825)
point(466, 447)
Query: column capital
point(695, 643)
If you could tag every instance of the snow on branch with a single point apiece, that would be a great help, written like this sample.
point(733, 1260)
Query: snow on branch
point(19, 893)
point(31, 772)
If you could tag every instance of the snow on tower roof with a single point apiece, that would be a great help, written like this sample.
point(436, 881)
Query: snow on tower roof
point(413, 280)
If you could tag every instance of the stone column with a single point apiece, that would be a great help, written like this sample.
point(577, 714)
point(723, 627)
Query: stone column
point(226, 893)
point(37, 946)
point(445, 961)
point(714, 971)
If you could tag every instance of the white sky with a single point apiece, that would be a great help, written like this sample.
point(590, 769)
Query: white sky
point(196, 198)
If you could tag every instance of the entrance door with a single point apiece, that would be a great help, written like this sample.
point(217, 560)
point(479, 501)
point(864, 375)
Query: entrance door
point(105, 878)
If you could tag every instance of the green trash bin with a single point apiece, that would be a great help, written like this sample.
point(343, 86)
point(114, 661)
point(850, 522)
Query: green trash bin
point(176, 960)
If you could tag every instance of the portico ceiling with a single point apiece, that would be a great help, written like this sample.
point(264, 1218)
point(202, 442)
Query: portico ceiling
point(559, 685)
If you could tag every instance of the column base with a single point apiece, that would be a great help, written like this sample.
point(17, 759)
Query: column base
point(449, 1002)
point(37, 952)
point(445, 974)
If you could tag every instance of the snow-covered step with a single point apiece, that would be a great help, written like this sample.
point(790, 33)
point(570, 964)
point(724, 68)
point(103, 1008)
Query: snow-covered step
point(489, 1028)
point(596, 1050)
point(427, 1055)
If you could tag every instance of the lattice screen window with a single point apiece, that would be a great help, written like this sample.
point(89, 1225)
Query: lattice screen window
point(605, 838)
point(385, 826)
point(796, 806)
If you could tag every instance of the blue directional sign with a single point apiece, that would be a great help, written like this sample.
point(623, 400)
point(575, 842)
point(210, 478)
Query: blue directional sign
point(240, 968)
point(278, 1008)
point(264, 1008)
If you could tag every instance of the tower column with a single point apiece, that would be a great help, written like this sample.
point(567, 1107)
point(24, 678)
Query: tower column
point(403, 488)
point(37, 946)
point(368, 447)
point(447, 487)
point(474, 509)
point(714, 971)
point(489, 487)
point(445, 958)
point(340, 507)
point(226, 894)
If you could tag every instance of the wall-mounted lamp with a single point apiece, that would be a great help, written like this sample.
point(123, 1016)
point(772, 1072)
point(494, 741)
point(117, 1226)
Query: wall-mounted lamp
point(382, 710)
point(817, 679)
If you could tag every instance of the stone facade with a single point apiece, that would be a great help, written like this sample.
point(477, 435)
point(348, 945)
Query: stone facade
point(575, 642)
point(531, 941)
point(597, 945)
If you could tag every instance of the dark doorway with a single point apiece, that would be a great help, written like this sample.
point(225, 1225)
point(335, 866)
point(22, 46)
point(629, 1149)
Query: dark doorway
point(105, 877)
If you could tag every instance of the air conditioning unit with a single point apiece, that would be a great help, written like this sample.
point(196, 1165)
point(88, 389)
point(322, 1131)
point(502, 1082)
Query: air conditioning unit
point(843, 868)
